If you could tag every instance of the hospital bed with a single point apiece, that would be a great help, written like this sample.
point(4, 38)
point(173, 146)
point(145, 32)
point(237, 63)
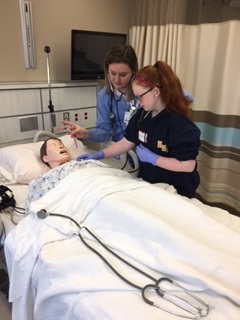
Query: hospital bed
point(103, 244)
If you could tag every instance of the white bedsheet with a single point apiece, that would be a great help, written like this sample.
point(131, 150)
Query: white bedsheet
point(54, 276)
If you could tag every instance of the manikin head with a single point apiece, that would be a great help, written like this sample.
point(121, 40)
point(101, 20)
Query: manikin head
point(53, 153)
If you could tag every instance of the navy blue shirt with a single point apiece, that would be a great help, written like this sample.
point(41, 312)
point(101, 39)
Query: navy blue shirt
point(168, 135)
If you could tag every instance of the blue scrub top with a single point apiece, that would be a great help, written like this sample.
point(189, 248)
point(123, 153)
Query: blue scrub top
point(110, 127)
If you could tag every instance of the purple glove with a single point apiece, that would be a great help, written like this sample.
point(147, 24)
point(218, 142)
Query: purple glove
point(95, 156)
point(145, 155)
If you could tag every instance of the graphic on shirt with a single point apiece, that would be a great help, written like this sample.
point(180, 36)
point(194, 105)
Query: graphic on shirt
point(162, 146)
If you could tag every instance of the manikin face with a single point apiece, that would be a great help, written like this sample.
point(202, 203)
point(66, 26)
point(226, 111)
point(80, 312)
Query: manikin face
point(57, 153)
point(120, 75)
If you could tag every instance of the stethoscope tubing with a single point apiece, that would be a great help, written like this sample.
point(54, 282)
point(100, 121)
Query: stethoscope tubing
point(195, 312)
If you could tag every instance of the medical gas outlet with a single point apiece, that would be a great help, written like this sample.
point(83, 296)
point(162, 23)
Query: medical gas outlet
point(66, 116)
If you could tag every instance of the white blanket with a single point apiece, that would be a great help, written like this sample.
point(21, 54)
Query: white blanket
point(163, 233)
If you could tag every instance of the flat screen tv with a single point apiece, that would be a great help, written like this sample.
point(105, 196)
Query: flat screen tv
point(88, 50)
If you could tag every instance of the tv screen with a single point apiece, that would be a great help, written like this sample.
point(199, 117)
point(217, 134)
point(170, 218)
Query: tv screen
point(88, 50)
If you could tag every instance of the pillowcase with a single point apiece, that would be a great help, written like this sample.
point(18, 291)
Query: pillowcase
point(21, 163)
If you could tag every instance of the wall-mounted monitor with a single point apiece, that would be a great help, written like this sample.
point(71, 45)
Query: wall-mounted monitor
point(88, 50)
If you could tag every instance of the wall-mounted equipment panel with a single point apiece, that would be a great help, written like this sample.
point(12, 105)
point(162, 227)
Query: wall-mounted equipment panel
point(69, 98)
point(86, 118)
point(24, 108)
point(17, 102)
point(14, 129)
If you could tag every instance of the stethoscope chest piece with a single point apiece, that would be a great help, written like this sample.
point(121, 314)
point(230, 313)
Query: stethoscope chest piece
point(111, 115)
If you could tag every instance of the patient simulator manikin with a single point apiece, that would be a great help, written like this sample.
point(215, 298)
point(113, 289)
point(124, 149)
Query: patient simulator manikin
point(56, 155)
point(53, 153)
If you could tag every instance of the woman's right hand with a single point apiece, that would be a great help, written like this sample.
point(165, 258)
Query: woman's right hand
point(75, 131)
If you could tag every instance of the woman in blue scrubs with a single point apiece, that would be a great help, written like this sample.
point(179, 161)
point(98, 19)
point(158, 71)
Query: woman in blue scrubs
point(115, 102)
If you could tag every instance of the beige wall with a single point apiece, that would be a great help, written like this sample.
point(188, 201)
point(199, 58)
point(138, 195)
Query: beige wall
point(53, 21)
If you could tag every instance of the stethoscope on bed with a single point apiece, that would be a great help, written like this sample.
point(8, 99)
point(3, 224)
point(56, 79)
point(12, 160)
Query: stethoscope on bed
point(184, 302)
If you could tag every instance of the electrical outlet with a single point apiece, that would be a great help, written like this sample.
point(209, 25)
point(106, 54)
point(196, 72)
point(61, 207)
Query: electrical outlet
point(66, 116)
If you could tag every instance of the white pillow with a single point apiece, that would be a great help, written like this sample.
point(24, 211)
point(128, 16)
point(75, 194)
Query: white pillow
point(21, 163)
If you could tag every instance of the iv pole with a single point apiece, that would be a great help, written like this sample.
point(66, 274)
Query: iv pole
point(50, 106)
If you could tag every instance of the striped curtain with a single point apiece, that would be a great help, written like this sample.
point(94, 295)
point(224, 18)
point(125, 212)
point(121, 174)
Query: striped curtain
point(200, 39)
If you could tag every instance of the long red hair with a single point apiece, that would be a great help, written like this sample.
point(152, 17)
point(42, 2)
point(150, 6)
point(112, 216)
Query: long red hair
point(162, 76)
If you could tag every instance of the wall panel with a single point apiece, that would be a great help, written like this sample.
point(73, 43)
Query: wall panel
point(24, 108)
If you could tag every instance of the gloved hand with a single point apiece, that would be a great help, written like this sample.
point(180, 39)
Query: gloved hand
point(145, 155)
point(95, 156)
point(188, 96)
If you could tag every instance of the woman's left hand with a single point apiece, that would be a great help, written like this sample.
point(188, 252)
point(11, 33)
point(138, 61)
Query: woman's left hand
point(145, 155)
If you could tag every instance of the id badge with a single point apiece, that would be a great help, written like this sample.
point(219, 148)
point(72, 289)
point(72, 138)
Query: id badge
point(142, 136)
point(127, 116)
